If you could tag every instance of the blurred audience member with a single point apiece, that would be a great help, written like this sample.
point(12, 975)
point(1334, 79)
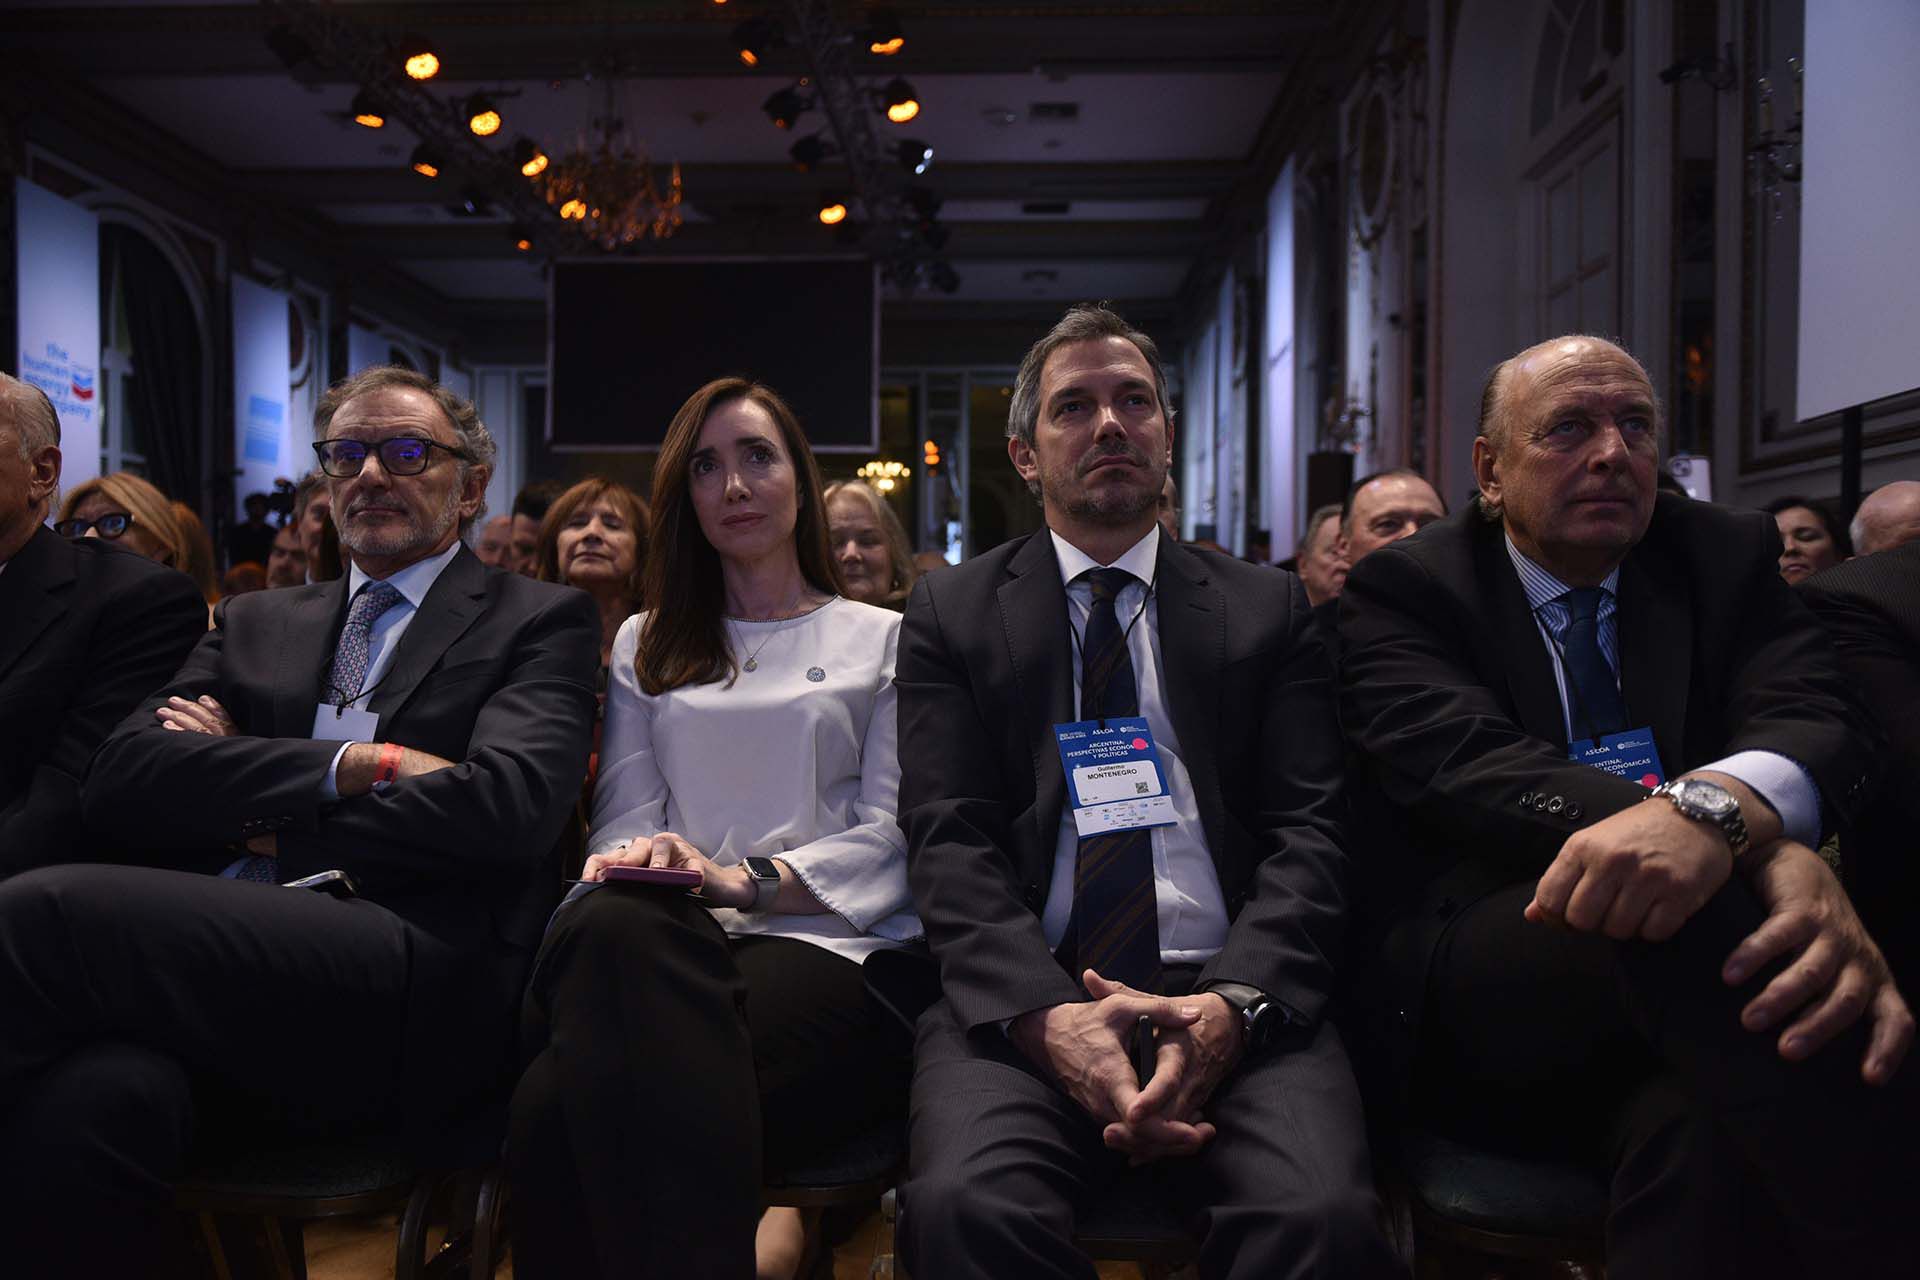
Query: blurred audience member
point(313, 507)
point(287, 562)
point(494, 546)
point(1170, 508)
point(242, 578)
point(1890, 517)
point(749, 738)
point(1386, 507)
point(1871, 607)
point(1811, 538)
point(85, 633)
point(594, 537)
point(252, 538)
point(199, 564)
point(127, 510)
point(870, 544)
point(529, 510)
point(1322, 569)
point(190, 998)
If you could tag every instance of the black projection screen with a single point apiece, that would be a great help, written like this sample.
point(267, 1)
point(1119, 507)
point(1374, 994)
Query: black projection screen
point(628, 342)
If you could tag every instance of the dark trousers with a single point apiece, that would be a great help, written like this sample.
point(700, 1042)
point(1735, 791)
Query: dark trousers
point(1726, 1160)
point(144, 1013)
point(672, 1066)
point(1002, 1161)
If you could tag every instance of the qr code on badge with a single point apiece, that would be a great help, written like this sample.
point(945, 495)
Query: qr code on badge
point(1142, 788)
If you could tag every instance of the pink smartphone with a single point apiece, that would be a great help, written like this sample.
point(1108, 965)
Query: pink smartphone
point(672, 877)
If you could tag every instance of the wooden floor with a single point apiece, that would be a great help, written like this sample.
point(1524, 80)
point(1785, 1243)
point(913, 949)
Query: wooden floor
point(362, 1249)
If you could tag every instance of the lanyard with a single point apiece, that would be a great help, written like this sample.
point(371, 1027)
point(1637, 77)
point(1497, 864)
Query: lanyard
point(1078, 659)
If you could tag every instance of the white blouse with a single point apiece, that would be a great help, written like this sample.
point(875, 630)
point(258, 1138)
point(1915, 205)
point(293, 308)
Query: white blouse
point(795, 759)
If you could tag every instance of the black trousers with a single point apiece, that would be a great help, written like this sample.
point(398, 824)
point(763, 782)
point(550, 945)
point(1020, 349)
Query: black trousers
point(145, 1013)
point(672, 1066)
point(1726, 1160)
point(1002, 1161)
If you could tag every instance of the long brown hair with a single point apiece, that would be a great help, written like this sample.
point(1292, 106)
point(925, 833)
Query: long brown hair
point(581, 497)
point(685, 639)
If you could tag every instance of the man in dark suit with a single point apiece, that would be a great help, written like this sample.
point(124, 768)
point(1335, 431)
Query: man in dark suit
point(1578, 964)
point(86, 631)
point(1220, 926)
point(1870, 605)
point(422, 725)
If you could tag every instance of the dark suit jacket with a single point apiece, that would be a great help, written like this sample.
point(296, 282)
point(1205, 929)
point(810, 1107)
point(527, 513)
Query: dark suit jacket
point(985, 673)
point(495, 672)
point(87, 629)
point(1871, 608)
point(1448, 691)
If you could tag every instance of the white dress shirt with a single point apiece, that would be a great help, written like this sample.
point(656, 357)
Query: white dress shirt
point(795, 759)
point(1192, 910)
point(1778, 780)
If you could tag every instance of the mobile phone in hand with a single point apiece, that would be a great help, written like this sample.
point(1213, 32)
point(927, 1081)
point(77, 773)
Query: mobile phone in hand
point(669, 877)
point(1143, 1049)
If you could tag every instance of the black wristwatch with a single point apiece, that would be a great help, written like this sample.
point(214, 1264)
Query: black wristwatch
point(1262, 1018)
point(764, 873)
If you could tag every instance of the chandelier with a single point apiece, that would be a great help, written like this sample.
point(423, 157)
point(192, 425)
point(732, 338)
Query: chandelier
point(605, 187)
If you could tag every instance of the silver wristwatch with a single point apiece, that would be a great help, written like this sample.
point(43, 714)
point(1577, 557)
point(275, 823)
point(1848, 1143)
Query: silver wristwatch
point(764, 874)
point(1710, 802)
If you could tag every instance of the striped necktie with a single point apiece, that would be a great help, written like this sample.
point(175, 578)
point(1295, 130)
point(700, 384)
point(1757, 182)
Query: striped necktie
point(1596, 706)
point(1116, 918)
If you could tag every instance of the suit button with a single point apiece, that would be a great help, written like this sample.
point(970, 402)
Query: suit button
point(1526, 799)
point(1556, 804)
point(1574, 810)
point(1540, 803)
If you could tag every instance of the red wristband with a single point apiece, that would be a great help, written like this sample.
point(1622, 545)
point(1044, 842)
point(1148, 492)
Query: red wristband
point(388, 766)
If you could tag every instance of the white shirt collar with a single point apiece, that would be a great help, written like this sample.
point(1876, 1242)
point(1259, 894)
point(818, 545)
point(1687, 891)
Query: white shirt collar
point(1542, 587)
point(412, 582)
point(1139, 559)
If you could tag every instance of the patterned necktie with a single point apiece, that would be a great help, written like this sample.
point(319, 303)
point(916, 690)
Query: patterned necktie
point(350, 656)
point(1597, 707)
point(1116, 918)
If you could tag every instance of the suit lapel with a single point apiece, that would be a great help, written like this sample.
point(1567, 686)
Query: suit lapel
point(453, 602)
point(1033, 613)
point(33, 593)
point(312, 628)
point(1193, 649)
point(1518, 646)
point(1655, 621)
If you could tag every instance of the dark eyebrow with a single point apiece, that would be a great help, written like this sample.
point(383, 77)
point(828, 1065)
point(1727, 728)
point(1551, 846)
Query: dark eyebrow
point(1125, 384)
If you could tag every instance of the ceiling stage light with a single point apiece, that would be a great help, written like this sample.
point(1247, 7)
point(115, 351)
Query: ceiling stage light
point(529, 158)
point(883, 34)
point(366, 112)
point(425, 161)
point(754, 37)
point(483, 118)
point(521, 238)
point(899, 99)
point(833, 210)
point(417, 57)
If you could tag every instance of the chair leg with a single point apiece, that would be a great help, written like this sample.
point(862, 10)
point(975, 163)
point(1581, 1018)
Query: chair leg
point(216, 1248)
point(486, 1220)
point(409, 1251)
point(286, 1248)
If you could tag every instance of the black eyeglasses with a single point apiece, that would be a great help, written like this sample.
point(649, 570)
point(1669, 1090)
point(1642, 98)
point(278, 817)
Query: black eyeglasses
point(399, 455)
point(108, 526)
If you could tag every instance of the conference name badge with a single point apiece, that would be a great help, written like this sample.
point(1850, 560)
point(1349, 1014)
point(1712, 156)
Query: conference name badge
point(1114, 777)
point(1630, 754)
point(344, 724)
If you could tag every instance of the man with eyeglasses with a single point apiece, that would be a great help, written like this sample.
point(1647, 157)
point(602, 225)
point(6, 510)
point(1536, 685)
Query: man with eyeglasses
point(412, 735)
point(86, 631)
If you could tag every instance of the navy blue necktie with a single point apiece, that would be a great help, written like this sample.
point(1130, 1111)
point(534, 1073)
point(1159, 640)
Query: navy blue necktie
point(1595, 707)
point(1115, 929)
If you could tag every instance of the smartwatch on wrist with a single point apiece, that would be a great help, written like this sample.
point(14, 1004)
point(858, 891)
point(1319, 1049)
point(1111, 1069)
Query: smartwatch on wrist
point(1711, 803)
point(764, 875)
point(1262, 1018)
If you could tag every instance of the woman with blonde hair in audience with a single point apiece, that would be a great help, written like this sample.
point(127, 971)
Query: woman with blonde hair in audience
point(870, 545)
point(683, 1046)
point(127, 510)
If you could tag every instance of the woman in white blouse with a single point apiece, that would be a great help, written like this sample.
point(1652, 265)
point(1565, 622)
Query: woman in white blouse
point(750, 737)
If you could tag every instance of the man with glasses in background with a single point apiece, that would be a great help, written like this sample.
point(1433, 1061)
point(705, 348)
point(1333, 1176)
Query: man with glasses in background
point(341, 812)
point(86, 631)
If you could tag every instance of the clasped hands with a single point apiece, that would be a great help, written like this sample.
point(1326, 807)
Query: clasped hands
point(721, 886)
point(1643, 872)
point(1085, 1047)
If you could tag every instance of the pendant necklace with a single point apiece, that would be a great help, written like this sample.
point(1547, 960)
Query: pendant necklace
point(753, 659)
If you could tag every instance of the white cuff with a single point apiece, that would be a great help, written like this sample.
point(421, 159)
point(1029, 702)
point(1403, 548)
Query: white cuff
point(1784, 784)
point(330, 788)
